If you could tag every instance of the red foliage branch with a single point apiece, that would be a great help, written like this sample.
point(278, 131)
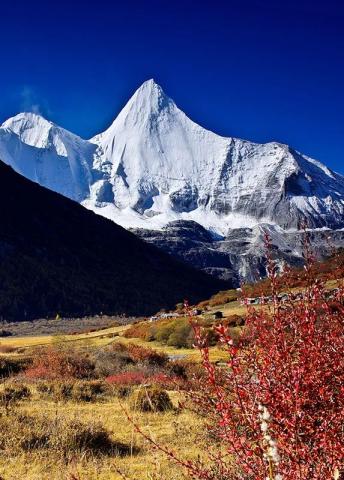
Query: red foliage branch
point(275, 410)
point(278, 406)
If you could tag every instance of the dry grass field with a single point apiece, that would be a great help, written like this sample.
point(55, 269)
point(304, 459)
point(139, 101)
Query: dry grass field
point(176, 429)
point(26, 344)
point(52, 428)
point(24, 422)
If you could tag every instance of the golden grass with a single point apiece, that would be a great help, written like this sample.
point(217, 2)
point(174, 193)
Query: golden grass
point(187, 353)
point(178, 430)
point(100, 338)
point(97, 338)
point(233, 308)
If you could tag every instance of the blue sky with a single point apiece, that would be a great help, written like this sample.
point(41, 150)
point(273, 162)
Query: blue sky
point(260, 70)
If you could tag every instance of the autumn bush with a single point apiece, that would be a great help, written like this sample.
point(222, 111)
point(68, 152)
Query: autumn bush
point(233, 321)
point(62, 391)
point(220, 298)
point(139, 330)
point(275, 410)
point(279, 407)
point(74, 390)
point(127, 378)
point(124, 382)
point(120, 358)
point(13, 393)
point(53, 363)
point(223, 297)
point(111, 360)
point(175, 332)
point(7, 349)
point(45, 388)
point(90, 391)
point(146, 355)
point(331, 268)
point(168, 382)
point(153, 399)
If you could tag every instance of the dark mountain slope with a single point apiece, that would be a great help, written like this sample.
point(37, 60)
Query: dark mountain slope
point(58, 257)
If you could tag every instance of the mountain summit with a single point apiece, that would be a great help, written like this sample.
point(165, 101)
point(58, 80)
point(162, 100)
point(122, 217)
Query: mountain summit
point(154, 165)
point(161, 166)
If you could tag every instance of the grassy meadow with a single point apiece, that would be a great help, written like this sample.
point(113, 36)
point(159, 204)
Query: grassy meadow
point(65, 397)
point(24, 454)
point(136, 460)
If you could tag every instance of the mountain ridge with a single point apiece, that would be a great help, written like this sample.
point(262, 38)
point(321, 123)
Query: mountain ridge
point(154, 166)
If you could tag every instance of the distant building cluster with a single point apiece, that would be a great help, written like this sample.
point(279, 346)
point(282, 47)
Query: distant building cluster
point(284, 297)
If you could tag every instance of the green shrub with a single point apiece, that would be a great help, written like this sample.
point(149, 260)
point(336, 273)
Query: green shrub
point(182, 336)
point(152, 399)
point(11, 366)
point(89, 391)
point(12, 394)
point(164, 331)
point(62, 391)
point(175, 332)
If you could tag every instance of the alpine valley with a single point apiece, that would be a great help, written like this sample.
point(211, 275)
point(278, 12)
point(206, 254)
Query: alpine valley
point(201, 197)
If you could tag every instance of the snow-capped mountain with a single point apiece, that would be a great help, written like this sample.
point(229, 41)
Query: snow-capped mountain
point(154, 166)
point(48, 154)
point(159, 166)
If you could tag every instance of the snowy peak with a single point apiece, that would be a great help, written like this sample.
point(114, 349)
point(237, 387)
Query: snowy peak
point(31, 128)
point(47, 154)
point(155, 165)
point(150, 96)
point(149, 99)
point(141, 111)
point(34, 130)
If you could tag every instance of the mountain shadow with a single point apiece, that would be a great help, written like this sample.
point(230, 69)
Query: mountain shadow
point(58, 257)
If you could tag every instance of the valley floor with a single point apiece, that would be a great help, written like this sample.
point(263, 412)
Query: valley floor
point(175, 429)
point(26, 453)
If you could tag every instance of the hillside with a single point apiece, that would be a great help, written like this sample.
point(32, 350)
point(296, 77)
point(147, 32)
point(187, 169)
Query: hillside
point(58, 257)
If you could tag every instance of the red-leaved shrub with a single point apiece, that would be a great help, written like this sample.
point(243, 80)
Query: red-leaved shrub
point(142, 354)
point(127, 378)
point(165, 381)
point(55, 364)
point(275, 410)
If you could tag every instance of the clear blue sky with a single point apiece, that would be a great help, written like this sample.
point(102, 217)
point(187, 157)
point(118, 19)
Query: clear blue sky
point(260, 70)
